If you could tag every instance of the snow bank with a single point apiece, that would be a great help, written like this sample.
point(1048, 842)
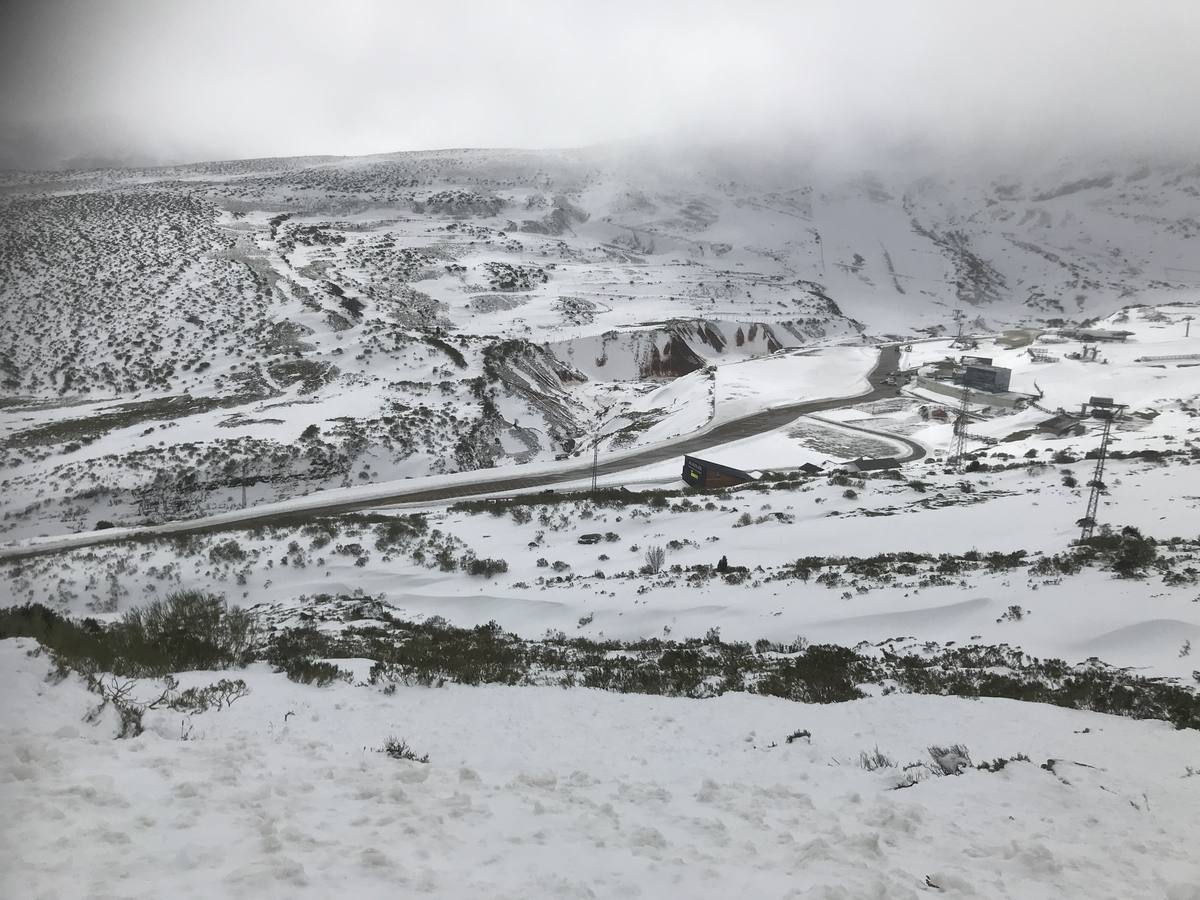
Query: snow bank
point(782, 379)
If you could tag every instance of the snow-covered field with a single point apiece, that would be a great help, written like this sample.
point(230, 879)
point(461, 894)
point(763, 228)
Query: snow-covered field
point(746, 387)
point(541, 792)
point(1146, 624)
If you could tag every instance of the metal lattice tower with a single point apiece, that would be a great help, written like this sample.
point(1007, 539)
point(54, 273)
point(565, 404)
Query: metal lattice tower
point(1106, 411)
point(959, 316)
point(960, 434)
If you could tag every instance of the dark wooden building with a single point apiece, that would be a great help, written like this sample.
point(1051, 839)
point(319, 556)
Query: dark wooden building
point(872, 465)
point(700, 473)
point(1060, 425)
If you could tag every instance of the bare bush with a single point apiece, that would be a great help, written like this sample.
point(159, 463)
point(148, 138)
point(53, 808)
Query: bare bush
point(875, 759)
point(397, 748)
point(118, 693)
point(951, 760)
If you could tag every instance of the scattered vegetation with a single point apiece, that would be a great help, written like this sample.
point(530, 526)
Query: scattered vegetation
point(433, 653)
point(188, 630)
point(1000, 762)
point(397, 748)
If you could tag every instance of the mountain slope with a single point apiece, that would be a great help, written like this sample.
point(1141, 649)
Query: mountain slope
point(289, 324)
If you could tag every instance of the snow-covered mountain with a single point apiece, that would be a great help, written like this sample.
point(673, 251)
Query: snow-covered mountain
point(330, 321)
point(520, 243)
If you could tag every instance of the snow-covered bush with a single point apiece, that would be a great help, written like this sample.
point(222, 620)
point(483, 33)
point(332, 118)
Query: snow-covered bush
point(951, 760)
point(1000, 762)
point(875, 759)
point(397, 748)
point(315, 672)
point(188, 630)
point(486, 568)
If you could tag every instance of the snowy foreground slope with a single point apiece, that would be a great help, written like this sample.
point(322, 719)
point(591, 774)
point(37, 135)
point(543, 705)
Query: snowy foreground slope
point(540, 792)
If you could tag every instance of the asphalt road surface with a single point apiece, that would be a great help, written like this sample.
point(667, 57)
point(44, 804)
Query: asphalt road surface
point(734, 430)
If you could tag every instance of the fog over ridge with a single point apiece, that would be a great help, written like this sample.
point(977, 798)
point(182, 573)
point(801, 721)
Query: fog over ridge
point(127, 82)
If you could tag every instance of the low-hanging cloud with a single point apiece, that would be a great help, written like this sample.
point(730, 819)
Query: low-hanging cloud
point(124, 80)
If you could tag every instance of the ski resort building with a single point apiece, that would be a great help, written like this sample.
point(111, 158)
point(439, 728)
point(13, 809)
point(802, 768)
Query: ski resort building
point(1091, 335)
point(1060, 425)
point(987, 377)
point(982, 396)
point(700, 473)
point(1181, 359)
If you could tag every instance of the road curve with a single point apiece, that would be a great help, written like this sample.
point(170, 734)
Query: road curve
point(734, 430)
point(914, 452)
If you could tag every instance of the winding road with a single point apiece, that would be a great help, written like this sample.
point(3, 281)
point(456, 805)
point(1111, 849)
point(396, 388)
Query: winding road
point(299, 511)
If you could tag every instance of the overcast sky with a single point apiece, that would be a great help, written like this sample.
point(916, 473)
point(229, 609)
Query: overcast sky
point(163, 80)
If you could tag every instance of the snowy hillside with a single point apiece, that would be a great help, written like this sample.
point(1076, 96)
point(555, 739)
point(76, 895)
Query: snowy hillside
point(990, 549)
point(291, 325)
point(345, 547)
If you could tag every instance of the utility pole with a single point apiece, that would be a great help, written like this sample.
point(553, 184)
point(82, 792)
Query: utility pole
point(595, 460)
point(609, 416)
point(1187, 325)
point(243, 482)
point(1104, 409)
